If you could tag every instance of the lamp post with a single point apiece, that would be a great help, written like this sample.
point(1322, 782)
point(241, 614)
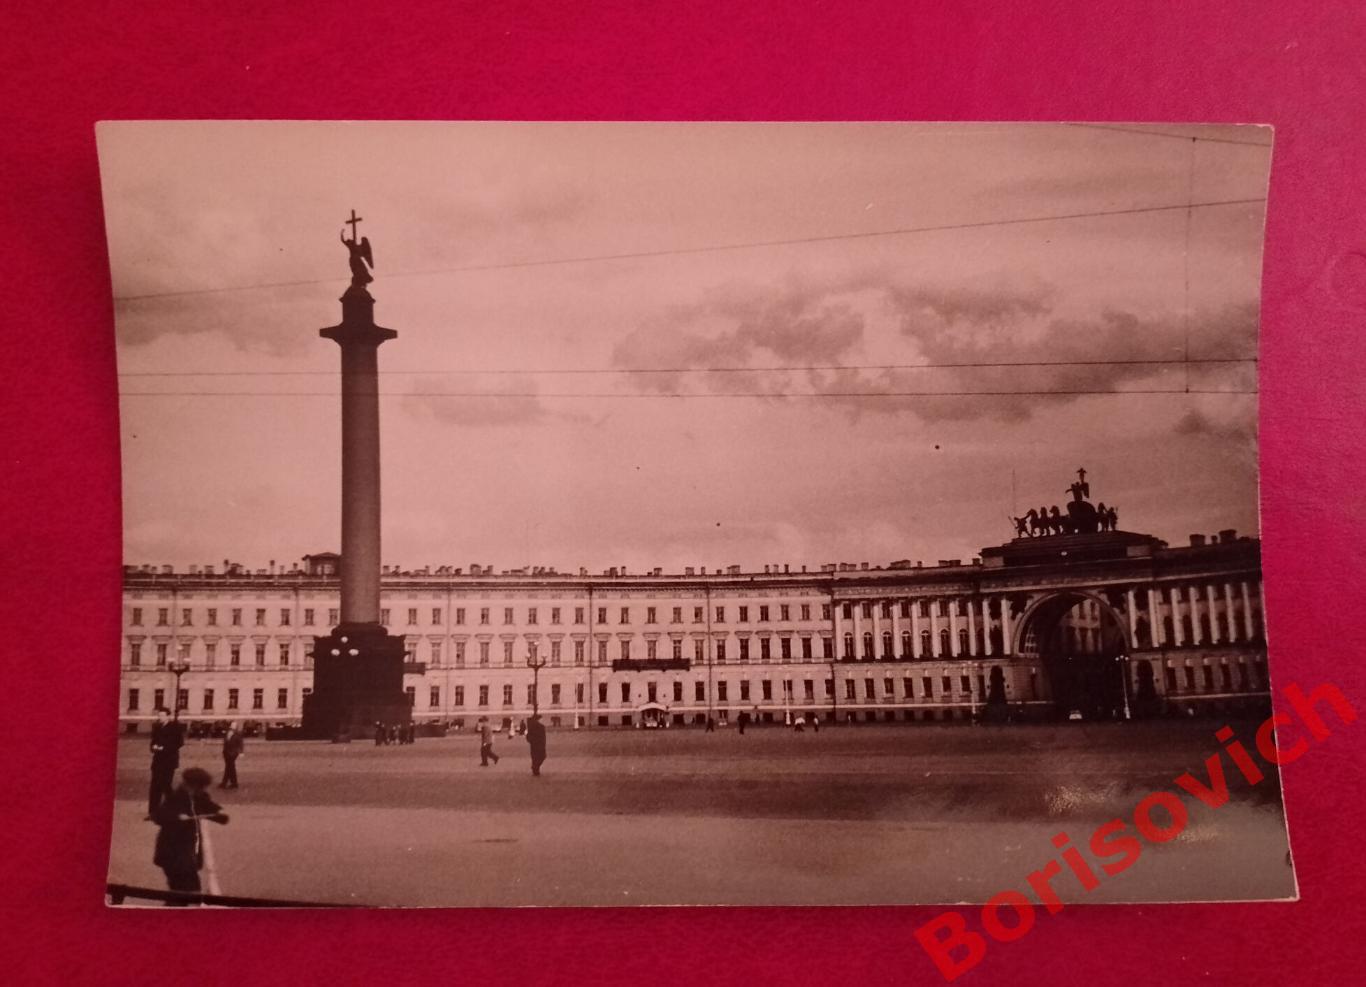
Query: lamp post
point(834, 695)
point(535, 662)
point(177, 668)
point(1123, 659)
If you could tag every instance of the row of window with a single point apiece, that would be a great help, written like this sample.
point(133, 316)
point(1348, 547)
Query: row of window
point(804, 650)
point(258, 699)
point(941, 608)
point(1253, 678)
point(161, 652)
point(236, 615)
point(555, 654)
point(650, 694)
point(1225, 627)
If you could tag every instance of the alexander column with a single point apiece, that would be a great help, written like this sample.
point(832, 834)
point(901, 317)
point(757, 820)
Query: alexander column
point(358, 668)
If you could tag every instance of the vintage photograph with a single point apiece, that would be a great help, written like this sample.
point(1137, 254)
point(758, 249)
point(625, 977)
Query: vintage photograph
point(601, 514)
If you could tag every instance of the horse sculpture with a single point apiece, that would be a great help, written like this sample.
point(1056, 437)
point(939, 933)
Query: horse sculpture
point(1080, 518)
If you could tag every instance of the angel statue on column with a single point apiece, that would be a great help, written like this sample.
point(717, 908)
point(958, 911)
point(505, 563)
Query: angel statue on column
point(361, 260)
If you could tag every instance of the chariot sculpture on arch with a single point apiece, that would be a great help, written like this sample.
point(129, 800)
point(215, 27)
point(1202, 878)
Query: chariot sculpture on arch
point(1082, 518)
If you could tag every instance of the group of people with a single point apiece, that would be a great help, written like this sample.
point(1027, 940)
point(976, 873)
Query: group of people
point(535, 738)
point(179, 811)
point(395, 733)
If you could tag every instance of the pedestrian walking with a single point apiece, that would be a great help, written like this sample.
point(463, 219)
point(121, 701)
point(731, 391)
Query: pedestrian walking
point(742, 721)
point(167, 739)
point(711, 725)
point(486, 743)
point(379, 733)
point(535, 737)
point(233, 743)
point(180, 842)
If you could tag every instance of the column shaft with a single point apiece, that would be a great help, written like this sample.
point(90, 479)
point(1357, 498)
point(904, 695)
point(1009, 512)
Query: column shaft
point(360, 534)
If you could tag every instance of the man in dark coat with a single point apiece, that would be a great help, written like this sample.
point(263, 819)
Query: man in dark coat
point(743, 721)
point(180, 844)
point(535, 737)
point(232, 750)
point(167, 739)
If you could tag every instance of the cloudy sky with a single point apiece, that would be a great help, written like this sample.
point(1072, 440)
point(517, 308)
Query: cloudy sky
point(534, 272)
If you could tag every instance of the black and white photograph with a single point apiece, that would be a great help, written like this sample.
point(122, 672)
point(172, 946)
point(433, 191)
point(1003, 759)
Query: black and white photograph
point(610, 514)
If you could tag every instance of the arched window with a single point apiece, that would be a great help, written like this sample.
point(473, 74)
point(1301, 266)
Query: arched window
point(849, 646)
point(1187, 630)
point(905, 644)
point(963, 641)
point(944, 643)
point(868, 645)
point(1142, 633)
point(888, 651)
point(926, 645)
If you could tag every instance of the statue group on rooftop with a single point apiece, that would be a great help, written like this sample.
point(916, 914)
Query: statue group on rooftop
point(1081, 517)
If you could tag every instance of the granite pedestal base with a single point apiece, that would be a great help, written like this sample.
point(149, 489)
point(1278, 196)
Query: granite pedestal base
point(357, 682)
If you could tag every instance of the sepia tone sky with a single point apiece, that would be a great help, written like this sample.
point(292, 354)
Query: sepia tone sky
point(512, 435)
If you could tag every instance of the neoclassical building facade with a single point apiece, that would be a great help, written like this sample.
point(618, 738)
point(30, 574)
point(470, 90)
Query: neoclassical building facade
point(1108, 624)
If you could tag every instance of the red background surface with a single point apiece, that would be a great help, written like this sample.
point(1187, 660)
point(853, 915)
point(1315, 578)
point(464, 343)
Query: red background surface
point(1298, 65)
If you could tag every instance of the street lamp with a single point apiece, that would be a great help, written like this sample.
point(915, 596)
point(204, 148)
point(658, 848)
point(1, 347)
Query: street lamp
point(1123, 659)
point(535, 662)
point(177, 668)
point(834, 695)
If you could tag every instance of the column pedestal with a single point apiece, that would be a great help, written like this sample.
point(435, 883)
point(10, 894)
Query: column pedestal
point(357, 682)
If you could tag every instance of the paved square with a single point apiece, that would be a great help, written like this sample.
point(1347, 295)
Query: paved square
point(849, 815)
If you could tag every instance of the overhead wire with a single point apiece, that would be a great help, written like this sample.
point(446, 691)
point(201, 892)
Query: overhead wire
point(681, 395)
point(1158, 133)
point(1189, 206)
point(813, 368)
point(711, 248)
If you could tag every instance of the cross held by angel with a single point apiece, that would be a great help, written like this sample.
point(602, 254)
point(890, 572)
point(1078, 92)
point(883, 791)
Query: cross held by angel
point(362, 260)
